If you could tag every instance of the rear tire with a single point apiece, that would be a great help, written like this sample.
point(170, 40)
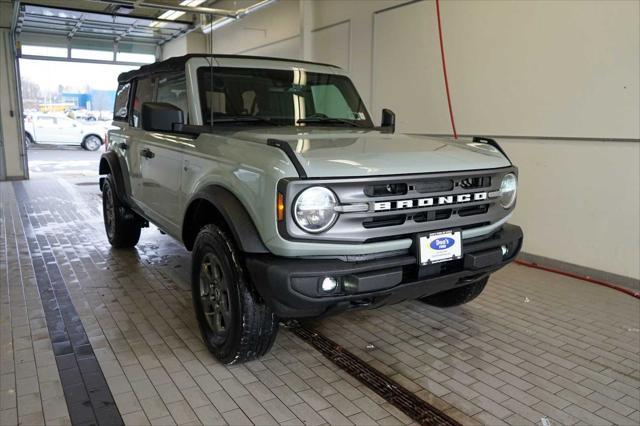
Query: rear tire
point(121, 224)
point(28, 140)
point(235, 324)
point(456, 296)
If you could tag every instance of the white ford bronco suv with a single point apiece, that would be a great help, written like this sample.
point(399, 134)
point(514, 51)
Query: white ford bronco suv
point(293, 203)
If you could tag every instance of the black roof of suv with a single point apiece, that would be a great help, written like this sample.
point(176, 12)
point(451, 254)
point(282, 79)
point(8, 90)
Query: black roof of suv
point(177, 64)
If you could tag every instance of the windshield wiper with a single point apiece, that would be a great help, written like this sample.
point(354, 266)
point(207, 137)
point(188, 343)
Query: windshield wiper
point(323, 119)
point(245, 119)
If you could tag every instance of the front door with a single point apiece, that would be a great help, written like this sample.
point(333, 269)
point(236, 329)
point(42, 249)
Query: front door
point(161, 157)
point(69, 131)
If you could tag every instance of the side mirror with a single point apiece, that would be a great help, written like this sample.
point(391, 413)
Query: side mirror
point(161, 117)
point(388, 120)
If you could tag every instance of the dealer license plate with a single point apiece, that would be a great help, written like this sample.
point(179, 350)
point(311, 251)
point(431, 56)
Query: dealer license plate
point(440, 246)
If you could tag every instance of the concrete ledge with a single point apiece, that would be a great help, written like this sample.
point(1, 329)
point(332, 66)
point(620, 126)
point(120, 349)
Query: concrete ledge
point(628, 282)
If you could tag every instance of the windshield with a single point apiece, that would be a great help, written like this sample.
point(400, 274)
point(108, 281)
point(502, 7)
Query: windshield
point(281, 97)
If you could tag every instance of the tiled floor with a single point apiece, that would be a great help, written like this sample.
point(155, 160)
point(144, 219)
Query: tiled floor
point(533, 345)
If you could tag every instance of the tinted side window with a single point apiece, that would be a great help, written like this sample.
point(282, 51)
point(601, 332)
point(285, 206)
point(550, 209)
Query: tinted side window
point(121, 108)
point(144, 93)
point(172, 89)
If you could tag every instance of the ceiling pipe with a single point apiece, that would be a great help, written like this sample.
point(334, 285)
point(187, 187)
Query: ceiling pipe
point(240, 13)
point(196, 9)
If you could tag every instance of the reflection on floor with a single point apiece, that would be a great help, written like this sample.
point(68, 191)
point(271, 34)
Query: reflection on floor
point(533, 345)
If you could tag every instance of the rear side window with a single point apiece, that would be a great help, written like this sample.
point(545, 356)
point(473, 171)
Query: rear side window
point(144, 93)
point(121, 107)
point(172, 89)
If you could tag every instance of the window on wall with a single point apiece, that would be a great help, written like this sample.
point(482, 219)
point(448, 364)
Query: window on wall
point(121, 106)
point(144, 93)
point(172, 89)
point(99, 55)
point(142, 58)
point(57, 52)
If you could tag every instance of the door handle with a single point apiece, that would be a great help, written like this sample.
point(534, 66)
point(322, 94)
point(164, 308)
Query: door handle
point(147, 153)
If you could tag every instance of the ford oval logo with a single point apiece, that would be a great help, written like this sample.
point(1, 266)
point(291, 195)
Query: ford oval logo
point(442, 243)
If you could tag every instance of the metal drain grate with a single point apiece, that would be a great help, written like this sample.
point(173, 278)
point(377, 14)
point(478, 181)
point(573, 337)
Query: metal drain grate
point(414, 407)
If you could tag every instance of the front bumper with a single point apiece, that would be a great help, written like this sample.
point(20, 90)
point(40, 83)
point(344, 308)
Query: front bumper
point(291, 286)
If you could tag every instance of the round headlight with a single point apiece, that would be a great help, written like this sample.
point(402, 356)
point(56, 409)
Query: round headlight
point(508, 190)
point(314, 209)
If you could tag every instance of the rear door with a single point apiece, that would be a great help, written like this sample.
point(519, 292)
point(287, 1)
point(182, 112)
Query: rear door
point(161, 156)
point(45, 127)
point(120, 140)
point(142, 91)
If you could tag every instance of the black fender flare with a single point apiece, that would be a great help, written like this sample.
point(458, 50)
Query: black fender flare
point(234, 214)
point(110, 164)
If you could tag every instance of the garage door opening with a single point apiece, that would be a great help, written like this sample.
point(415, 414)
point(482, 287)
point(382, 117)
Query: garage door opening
point(67, 109)
point(69, 62)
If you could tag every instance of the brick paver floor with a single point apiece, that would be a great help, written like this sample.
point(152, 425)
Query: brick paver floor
point(533, 345)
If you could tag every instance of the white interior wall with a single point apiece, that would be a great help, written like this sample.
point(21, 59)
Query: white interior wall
point(571, 203)
point(579, 201)
point(275, 24)
point(194, 42)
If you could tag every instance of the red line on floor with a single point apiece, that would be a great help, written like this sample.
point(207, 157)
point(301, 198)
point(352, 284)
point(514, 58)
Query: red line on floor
point(625, 290)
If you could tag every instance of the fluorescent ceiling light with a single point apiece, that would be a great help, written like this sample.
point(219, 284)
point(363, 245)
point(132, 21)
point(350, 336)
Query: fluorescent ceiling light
point(176, 14)
point(172, 15)
point(192, 3)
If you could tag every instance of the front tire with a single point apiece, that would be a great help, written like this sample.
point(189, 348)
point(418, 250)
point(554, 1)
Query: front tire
point(121, 223)
point(457, 296)
point(91, 143)
point(235, 324)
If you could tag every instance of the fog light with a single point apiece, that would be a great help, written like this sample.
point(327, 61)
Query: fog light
point(329, 284)
point(505, 250)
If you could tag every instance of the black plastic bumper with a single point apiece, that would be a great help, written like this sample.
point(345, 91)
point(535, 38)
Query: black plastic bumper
point(291, 286)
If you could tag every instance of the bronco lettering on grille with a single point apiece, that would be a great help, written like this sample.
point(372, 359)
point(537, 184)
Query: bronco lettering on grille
point(429, 202)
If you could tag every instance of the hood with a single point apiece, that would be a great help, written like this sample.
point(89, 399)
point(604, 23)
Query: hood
point(352, 153)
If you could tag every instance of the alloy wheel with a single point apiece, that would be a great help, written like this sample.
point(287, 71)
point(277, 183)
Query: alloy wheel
point(92, 143)
point(109, 212)
point(214, 298)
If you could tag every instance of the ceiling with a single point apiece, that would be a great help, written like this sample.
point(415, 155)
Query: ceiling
point(108, 21)
point(132, 7)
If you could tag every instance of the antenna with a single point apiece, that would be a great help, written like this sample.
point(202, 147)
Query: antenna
point(209, 98)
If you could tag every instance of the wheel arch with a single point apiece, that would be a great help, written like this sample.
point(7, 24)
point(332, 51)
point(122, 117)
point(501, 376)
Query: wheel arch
point(109, 164)
point(215, 204)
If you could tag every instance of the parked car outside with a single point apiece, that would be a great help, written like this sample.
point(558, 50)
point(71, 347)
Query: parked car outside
point(62, 130)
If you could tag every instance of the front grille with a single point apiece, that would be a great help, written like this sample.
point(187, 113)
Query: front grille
point(385, 190)
point(429, 216)
point(401, 206)
point(430, 187)
point(379, 222)
point(476, 182)
point(471, 211)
